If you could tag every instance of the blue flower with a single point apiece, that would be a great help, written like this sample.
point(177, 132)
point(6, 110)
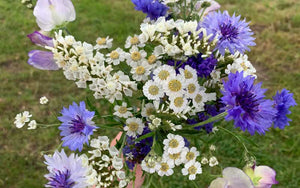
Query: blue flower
point(203, 66)
point(64, 171)
point(153, 9)
point(283, 101)
point(233, 34)
point(77, 126)
point(246, 105)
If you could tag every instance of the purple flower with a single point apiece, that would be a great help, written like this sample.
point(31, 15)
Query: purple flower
point(77, 126)
point(233, 178)
point(262, 176)
point(246, 105)
point(42, 60)
point(203, 66)
point(41, 40)
point(233, 34)
point(283, 101)
point(153, 9)
point(64, 171)
point(52, 13)
point(136, 152)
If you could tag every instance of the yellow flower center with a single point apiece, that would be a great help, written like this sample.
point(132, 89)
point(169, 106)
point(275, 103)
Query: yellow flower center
point(134, 40)
point(198, 98)
point(140, 70)
point(192, 170)
point(101, 41)
point(133, 126)
point(191, 88)
point(164, 167)
point(188, 74)
point(151, 59)
point(114, 55)
point(135, 56)
point(175, 85)
point(153, 90)
point(178, 102)
point(163, 75)
point(243, 65)
point(174, 156)
point(122, 110)
point(190, 156)
point(173, 143)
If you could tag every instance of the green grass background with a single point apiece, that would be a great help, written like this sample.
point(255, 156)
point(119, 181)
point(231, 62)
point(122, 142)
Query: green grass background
point(276, 24)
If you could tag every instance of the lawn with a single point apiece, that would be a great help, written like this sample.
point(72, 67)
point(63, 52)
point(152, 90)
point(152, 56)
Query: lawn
point(277, 58)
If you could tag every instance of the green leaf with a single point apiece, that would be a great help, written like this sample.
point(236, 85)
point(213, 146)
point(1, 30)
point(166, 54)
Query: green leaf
point(92, 107)
point(144, 136)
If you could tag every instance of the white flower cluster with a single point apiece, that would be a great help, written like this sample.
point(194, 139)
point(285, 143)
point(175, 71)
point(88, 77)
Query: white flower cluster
point(22, 118)
point(180, 88)
point(83, 63)
point(240, 64)
point(175, 154)
point(107, 165)
point(212, 161)
point(187, 40)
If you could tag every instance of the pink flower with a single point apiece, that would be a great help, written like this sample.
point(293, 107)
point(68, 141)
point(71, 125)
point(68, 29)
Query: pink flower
point(52, 13)
point(261, 176)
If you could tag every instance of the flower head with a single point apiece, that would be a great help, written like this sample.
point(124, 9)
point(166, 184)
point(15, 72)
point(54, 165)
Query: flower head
point(233, 34)
point(22, 118)
point(77, 126)
point(52, 13)
point(65, 171)
point(261, 176)
point(153, 9)
point(246, 105)
point(283, 101)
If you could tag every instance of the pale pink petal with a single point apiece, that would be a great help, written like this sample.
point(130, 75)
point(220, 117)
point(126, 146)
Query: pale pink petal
point(267, 175)
point(237, 178)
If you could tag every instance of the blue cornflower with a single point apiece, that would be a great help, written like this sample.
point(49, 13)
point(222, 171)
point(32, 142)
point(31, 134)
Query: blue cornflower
point(136, 152)
point(64, 171)
point(246, 105)
point(77, 126)
point(283, 101)
point(153, 8)
point(233, 34)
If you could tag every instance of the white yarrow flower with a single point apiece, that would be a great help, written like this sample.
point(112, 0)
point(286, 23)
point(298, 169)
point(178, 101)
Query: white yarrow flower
point(134, 126)
point(192, 169)
point(164, 168)
point(189, 155)
point(173, 144)
point(43, 100)
point(103, 43)
point(22, 118)
point(122, 111)
point(153, 90)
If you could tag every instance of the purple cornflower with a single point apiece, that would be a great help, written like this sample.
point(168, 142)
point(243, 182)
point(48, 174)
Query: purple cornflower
point(41, 59)
point(203, 66)
point(246, 104)
point(153, 9)
point(77, 126)
point(136, 152)
point(283, 101)
point(64, 171)
point(233, 34)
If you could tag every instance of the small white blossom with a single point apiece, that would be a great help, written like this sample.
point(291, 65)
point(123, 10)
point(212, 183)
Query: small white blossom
point(134, 126)
point(43, 100)
point(122, 111)
point(164, 168)
point(32, 124)
point(173, 143)
point(192, 169)
point(212, 148)
point(213, 161)
point(204, 160)
point(22, 118)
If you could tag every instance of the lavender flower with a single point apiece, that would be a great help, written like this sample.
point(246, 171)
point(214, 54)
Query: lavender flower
point(246, 105)
point(153, 9)
point(232, 177)
point(41, 40)
point(261, 176)
point(52, 13)
point(64, 171)
point(42, 60)
point(77, 126)
point(233, 34)
point(283, 101)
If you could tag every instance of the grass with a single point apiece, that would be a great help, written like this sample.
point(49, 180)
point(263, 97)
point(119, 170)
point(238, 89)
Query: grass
point(277, 28)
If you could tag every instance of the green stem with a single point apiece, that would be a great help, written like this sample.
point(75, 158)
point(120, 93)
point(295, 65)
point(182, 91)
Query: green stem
point(47, 125)
point(133, 179)
point(231, 133)
point(123, 144)
point(212, 119)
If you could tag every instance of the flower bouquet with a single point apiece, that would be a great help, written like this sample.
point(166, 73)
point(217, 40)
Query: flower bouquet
point(183, 78)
